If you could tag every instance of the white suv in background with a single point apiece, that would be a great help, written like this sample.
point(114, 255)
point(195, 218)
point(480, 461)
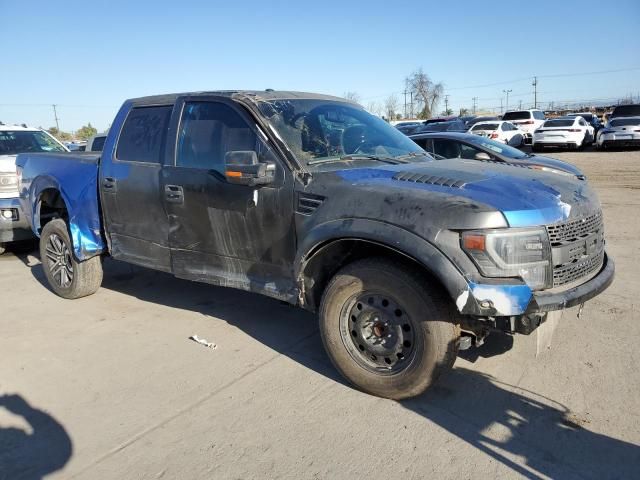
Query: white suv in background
point(526, 120)
point(15, 139)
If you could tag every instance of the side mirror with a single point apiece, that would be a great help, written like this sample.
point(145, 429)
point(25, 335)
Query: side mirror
point(482, 156)
point(242, 168)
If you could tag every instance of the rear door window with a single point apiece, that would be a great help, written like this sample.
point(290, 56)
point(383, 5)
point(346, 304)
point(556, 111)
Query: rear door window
point(144, 134)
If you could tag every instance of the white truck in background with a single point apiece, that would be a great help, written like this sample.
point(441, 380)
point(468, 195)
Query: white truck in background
point(15, 139)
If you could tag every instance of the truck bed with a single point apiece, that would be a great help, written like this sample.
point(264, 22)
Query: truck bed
point(75, 176)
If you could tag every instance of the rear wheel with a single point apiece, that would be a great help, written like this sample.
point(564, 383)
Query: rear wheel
point(2, 248)
point(387, 329)
point(67, 277)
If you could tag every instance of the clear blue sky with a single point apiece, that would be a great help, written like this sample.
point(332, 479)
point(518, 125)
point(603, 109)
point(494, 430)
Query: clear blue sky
point(87, 57)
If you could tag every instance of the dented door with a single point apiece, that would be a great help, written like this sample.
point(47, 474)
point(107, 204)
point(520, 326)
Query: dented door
point(231, 235)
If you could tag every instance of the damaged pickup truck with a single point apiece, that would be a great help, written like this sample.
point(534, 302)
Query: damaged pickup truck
point(311, 200)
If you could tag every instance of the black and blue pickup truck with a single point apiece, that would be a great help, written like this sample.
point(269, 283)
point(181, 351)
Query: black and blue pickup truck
point(309, 199)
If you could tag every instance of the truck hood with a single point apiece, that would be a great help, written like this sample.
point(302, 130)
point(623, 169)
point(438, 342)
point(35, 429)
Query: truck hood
point(8, 163)
point(525, 196)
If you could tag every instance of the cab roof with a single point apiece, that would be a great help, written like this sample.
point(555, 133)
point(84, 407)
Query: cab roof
point(253, 95)
point(13, 128)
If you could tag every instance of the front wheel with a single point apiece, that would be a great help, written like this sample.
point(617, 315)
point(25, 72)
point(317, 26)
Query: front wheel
point(67, 276)
point(387, 329)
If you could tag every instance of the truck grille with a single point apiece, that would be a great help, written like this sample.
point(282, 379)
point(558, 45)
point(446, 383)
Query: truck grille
point(569, 273)
point(577, 248)
point(571, 231)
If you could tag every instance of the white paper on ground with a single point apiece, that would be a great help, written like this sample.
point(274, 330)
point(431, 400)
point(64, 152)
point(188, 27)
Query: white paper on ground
point(202, 341)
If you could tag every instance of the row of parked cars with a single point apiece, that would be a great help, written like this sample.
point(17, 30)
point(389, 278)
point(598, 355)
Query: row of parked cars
point(519, 127)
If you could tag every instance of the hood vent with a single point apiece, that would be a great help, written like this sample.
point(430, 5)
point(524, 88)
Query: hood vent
point(307, 203)
point(429, 179)
point(507, 164)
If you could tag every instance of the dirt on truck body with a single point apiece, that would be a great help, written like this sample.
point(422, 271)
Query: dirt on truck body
point(312, 200)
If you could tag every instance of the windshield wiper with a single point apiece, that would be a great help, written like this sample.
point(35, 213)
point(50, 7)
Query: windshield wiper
point(412, 155)
point(356, 156)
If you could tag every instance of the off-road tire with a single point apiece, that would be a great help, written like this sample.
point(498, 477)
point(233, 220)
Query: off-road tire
point(436, 322)
point(86, 276)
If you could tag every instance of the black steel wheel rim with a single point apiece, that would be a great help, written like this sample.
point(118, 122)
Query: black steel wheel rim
point(59, 261)
point(378, 333)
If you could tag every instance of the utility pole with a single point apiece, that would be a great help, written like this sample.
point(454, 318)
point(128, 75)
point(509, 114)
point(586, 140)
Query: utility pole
point(501, 106)
point(475, 101)
point(405, 103)
point(411, 103)
point(507, 92)
point(55, 115)
point(520, 105)
point(446, 104)
point(535, 92)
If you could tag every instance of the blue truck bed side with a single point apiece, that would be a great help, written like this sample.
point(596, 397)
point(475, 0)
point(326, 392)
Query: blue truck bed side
point(76, 178)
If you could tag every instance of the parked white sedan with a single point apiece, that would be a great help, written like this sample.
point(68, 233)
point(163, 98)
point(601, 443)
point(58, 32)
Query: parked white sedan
point(505, 132)
point(569, 132)
point(620, 132)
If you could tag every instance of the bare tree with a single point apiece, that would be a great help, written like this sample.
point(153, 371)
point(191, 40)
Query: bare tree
point(391, 106)
point(426, 94)
point(374, 108)
point(353, 96)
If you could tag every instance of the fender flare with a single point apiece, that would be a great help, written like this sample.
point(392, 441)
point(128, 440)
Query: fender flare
point(403, 241)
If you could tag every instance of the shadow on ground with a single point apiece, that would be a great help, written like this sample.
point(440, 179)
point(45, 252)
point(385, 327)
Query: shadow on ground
point(533, 435)
point(31, 455)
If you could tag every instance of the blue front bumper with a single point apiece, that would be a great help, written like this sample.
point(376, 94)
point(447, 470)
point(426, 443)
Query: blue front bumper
point(499, 300)
point(15, 228)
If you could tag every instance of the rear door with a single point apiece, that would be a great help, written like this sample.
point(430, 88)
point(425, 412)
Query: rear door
point(221, 233)
point(135, 220)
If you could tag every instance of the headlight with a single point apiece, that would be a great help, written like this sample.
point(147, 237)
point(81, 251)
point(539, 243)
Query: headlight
point(8, 182)
point(511, 253)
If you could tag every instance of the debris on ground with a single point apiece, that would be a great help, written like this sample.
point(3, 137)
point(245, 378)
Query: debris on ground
point(204, 342)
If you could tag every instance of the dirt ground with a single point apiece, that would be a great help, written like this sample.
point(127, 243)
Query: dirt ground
point(109, 386)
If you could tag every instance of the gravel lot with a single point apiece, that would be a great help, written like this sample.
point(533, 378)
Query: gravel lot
point(109, 386)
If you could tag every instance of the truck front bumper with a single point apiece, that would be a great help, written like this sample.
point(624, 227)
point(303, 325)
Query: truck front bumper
point(13, 223)
point(549, 301)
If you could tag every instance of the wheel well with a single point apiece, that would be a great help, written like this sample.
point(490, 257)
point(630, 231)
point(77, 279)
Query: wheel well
point(323, 262)
point(51, 205)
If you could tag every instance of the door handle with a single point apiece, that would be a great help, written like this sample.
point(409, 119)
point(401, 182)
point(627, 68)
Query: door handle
point(174, 193)
point(109, 184)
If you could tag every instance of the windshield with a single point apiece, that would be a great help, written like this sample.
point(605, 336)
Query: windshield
point(23, 141)
point(559, 123)
point(318, 130)
point(516, 116)
point(621, 122)
point(499, 148)
point(485, 126)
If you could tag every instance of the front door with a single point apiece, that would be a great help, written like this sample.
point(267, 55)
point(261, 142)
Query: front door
point(136, 222)
point(231, 235)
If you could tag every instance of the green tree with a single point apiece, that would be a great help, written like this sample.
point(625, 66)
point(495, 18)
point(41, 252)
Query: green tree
point(59, 134)
point(86, 132)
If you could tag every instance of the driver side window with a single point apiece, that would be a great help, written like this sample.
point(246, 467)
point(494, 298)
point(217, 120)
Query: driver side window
point(208, 130)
